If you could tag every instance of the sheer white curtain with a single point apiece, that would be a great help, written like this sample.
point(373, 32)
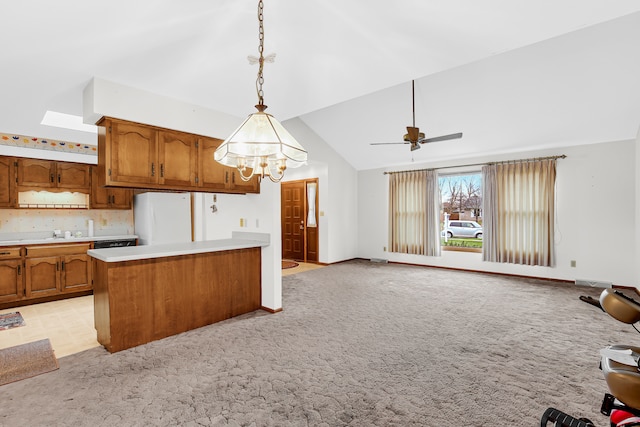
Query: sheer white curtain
point(414, 208)
point(519, 206)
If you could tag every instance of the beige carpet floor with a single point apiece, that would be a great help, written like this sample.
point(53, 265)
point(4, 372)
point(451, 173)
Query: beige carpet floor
point(358, 344)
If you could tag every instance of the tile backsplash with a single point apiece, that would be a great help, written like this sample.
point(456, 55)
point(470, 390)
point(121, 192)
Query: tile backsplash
point(34, 222)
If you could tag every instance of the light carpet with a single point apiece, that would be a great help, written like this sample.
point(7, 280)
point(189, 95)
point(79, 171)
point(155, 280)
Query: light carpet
point(358, 344)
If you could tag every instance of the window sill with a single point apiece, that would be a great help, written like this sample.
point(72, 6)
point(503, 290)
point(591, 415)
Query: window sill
point(461, 249)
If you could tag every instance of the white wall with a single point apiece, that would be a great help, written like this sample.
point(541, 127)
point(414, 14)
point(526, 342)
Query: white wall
point(637, 194)
point(596, 217)
point(338, 188)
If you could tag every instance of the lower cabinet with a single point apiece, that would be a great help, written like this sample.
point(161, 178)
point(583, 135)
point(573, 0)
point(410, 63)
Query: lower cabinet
point(56, 269)
point(11, 274)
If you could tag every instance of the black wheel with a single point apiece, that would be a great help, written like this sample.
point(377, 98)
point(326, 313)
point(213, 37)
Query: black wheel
point(449, 234)
point(479, 236)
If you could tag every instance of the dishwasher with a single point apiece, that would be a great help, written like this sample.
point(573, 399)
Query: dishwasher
point(116, 243)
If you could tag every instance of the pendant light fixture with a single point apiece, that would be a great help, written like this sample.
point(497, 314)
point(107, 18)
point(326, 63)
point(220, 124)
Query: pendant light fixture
point(261, 145)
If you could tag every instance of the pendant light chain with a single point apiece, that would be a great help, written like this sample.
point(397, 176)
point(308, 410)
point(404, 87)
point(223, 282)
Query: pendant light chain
point(260, 79)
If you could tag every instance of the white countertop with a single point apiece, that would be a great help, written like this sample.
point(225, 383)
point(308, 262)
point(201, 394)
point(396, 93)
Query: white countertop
point(50, 240)
point(132, 253)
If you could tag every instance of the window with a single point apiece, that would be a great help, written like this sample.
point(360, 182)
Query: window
point(461, 211)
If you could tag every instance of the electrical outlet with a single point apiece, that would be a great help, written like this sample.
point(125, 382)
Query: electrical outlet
point(241, 222)
point(573, 263)
point(384, 248)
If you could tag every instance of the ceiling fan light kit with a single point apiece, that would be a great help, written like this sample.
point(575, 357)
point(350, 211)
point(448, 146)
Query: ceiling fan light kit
point(413, 135)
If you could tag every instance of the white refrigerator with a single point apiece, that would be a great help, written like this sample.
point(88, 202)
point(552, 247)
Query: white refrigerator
point(162, 217)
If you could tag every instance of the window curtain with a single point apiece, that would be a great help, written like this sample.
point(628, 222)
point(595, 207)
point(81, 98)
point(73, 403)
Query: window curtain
point(519, 209)
point(414, 208)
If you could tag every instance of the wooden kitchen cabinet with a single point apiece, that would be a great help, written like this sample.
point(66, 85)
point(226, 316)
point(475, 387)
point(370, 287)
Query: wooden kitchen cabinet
point(7, 182)
point(135, 155)
point(177, 157)
point(36, 173)
point(108, 198)
point(11, 274)
point(55, 269)
point(46, 174)
point(72, 175)
point(131, 156)
point(215, 177)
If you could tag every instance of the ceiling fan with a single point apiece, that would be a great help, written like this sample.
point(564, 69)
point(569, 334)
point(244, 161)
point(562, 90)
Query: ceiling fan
point(413, 135)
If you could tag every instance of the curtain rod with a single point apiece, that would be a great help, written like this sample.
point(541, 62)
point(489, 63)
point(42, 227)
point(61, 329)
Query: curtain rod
point(533, 159)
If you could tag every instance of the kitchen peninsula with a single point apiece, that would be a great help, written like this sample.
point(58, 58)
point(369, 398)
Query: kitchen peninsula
point(145, 293)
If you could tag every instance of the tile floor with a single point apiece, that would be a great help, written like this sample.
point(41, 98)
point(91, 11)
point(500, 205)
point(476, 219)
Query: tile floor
point(69, 323)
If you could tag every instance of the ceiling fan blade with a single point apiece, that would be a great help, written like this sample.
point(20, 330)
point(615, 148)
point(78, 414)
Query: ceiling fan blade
point(442, 138)
point(387, 143)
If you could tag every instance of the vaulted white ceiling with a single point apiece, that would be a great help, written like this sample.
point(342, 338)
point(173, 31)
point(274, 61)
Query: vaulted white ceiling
point(511, 75)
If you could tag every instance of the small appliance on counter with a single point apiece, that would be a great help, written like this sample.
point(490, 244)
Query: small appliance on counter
point(162, 217)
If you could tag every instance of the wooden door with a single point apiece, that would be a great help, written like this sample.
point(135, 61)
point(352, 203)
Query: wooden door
point(42, 276)
point(7, 182)
point(11, 284)
point(75, 273)
point(72, 175)
point(177, 154)
point(211, 174)
point(293, 220)
point(36, 173)
point(133, 155)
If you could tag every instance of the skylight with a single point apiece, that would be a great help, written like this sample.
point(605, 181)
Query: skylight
point(67, 121)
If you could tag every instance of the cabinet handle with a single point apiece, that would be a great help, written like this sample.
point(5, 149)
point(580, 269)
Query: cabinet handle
point(58, 178)
point(226, 177)
point(62, 265)
point(19, 270)
point(5, 253)
point(162, 170)
point(51, 177)
point(233, 178)
point(57, 266)
point(153, 169)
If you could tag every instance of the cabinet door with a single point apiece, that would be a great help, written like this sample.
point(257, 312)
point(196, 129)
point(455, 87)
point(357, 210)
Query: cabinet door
point(133, 154)
point(36, 173)
point(7, 182)
point(177, 154)
point(108, 198)
point(240, 186)
point(42, 276)
point(99, 197)
point(72, 175)
point(11, 280)
point(212, 176)
point(75, 273)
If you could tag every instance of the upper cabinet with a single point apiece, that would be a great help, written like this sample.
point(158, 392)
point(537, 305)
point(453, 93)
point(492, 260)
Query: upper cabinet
point(48, 174)
point(7, 182)
point(140, 156)
point(108, 198)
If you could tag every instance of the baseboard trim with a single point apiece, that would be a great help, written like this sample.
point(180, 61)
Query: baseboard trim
point(271, 310)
